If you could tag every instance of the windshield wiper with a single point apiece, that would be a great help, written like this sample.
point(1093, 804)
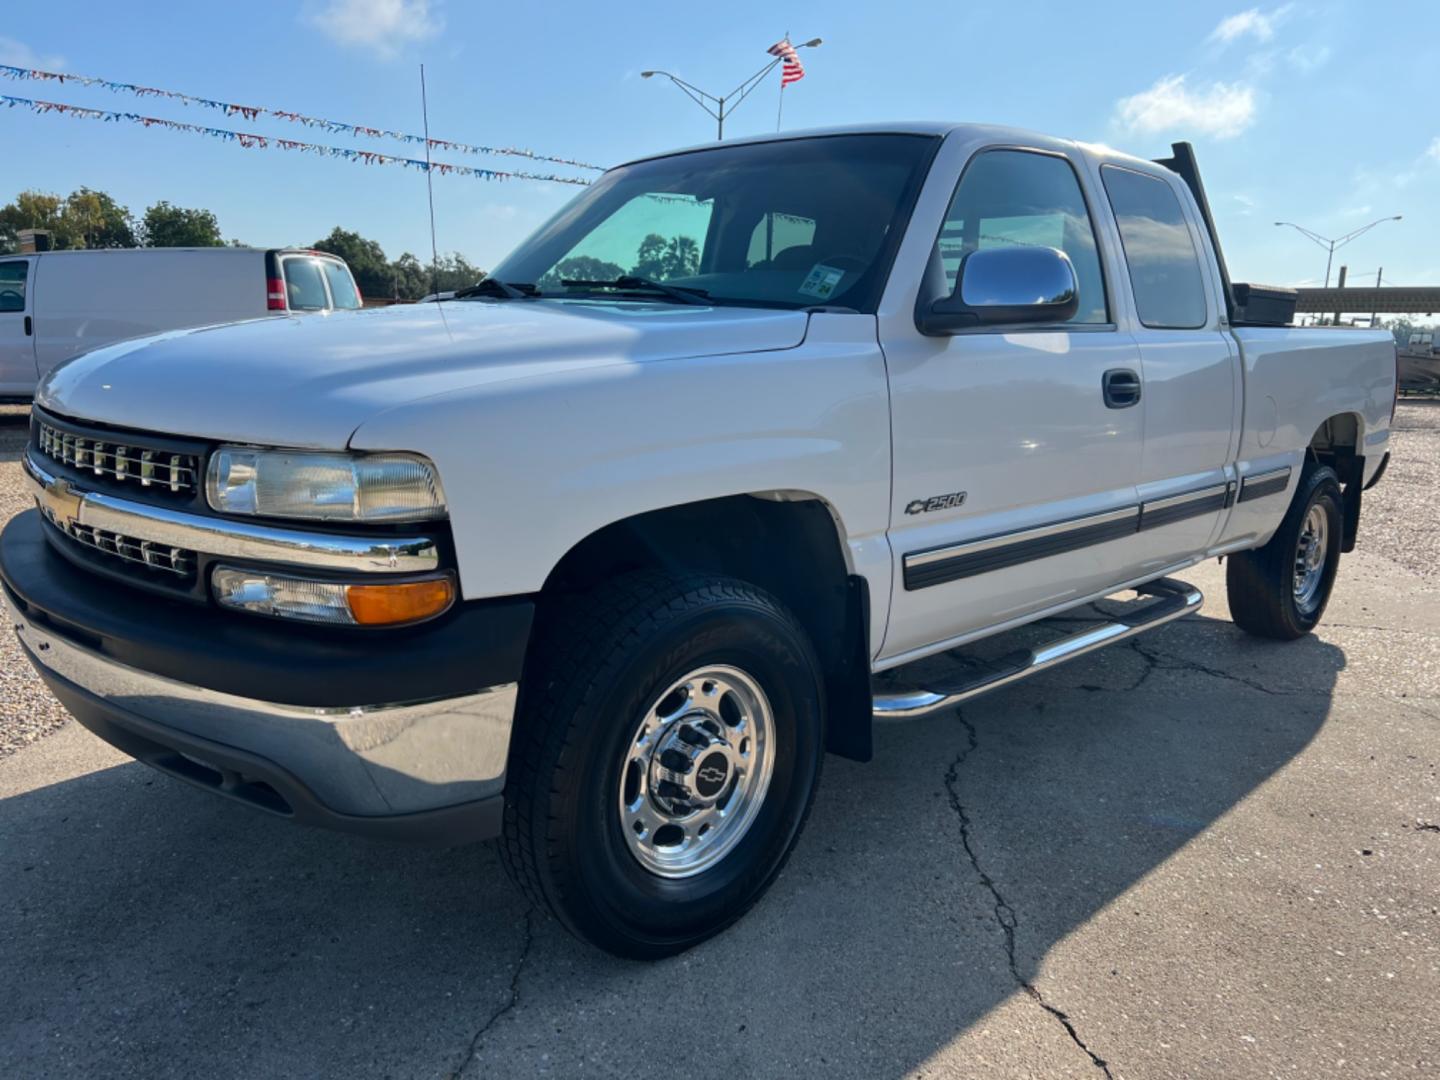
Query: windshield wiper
point(632, 283)
point(495, 287)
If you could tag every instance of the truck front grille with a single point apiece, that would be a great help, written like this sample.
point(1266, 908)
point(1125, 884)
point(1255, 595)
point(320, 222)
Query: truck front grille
point(174, 560)
point(157, 470)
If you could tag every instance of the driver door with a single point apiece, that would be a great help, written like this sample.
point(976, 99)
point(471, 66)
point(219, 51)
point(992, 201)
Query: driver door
point(1015, 464)
point(17, 329)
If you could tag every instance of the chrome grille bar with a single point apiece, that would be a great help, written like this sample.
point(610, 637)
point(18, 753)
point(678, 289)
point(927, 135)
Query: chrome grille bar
point(176, 473)
point(156, 556)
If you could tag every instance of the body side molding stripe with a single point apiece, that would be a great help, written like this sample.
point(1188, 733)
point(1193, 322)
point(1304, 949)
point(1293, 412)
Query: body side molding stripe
point(1172, 508)
point(937, 566)
point(1269, 482)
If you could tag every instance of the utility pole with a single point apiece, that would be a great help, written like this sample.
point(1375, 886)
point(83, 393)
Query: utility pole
point(721, 107)
point(1340, 285)
point(1378, 276)
point(1340, 241)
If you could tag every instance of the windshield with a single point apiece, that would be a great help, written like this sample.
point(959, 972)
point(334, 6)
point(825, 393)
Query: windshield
point(794, 224)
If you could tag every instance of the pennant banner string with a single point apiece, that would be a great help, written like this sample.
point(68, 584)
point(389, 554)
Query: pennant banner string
point(252, 112)
point(251, 141)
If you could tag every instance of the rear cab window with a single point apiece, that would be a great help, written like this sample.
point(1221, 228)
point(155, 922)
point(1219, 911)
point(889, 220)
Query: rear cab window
point(1165, 269)
point(12, 285)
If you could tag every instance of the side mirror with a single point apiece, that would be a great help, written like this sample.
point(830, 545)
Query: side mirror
point(1005, 286)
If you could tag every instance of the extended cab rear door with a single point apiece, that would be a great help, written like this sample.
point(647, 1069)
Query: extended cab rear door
point(1014, 469)
point(1169, 301)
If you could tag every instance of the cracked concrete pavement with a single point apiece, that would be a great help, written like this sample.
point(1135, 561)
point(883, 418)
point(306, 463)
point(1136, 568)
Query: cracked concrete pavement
point(1196, 855)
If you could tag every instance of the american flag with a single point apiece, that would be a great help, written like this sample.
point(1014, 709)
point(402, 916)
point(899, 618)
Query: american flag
point(790, 70)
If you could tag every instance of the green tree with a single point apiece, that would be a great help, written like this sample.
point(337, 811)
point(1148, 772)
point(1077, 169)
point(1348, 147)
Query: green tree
point(409, 279)
point(454, 271)
point(1402, 328)
point(176, 226)
point(86, 219)
point(366, 259)
point(30, 210)
point(94, 220)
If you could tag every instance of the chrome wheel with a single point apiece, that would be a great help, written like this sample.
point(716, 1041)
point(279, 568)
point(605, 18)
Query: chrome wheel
point(696, 770)
point(1310, 553)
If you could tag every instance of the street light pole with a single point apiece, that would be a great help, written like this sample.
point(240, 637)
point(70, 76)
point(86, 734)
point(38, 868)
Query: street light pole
point(1330, 245)
point(723, 106)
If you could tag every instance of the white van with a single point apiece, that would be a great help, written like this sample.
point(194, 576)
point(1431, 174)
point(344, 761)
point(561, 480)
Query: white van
point(55, 305)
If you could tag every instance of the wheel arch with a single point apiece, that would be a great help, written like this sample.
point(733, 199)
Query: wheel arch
point(1337, 443)
point(790, 543)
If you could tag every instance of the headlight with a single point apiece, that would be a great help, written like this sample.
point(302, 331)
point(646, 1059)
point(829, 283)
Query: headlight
point(323, 487)
point(335, 603)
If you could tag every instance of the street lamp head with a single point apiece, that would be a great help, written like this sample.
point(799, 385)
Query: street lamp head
point(647, 74)
point(1397, 217)
point(811, 43)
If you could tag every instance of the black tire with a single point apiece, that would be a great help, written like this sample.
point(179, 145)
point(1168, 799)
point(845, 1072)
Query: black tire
point(1260, 584)
point(596, 666)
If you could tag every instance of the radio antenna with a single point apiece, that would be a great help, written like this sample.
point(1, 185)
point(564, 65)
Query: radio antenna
point(429, 188)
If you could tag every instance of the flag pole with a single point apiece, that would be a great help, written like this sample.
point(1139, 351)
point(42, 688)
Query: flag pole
point(780, 109)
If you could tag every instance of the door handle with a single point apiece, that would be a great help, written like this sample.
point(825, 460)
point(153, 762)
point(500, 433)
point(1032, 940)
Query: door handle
point(1121, 387)
point(29, 326)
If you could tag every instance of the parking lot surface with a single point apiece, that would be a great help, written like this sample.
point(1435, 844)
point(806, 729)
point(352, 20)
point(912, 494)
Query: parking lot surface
point(1202, 855)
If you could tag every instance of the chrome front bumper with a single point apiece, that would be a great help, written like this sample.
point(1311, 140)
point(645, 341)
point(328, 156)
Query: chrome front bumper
point(351, 764)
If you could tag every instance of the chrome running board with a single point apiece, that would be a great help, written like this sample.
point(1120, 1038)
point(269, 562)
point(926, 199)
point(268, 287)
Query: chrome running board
point(1174, 599)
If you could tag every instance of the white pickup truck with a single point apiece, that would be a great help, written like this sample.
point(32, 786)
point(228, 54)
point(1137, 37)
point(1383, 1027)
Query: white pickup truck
point(601, 557)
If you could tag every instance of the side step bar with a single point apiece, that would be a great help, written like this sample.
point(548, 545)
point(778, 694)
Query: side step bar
point(1174, 599)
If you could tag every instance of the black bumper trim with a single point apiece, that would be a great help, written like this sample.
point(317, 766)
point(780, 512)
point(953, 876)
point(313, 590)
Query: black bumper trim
point(259, 782)
point(479, 644)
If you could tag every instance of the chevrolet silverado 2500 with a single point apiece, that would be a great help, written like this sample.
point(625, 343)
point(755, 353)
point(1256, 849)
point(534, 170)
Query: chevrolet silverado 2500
point(601, 557)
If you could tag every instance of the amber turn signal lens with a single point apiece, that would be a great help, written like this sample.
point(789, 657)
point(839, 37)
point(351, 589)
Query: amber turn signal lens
point(406, 602)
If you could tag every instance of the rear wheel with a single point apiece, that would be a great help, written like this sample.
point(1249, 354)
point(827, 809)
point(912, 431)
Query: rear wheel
point(1281, 590)
point(665, 757)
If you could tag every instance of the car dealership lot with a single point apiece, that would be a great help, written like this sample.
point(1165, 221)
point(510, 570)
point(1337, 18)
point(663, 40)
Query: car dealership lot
point(1202, 855)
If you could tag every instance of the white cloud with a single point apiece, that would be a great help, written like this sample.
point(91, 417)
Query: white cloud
point(1434, 150)
point(1223, 110)
point(1253, 23)
point(383, 26)
point(18, 54)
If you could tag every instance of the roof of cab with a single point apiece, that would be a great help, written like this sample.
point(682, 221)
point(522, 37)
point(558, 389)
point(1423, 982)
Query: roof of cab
point(938, 128)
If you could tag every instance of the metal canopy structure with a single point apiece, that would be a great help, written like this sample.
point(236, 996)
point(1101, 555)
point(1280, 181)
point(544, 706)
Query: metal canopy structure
point(1385, 300)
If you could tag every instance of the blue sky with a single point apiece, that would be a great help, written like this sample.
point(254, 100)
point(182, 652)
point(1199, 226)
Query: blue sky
point(1317, 111)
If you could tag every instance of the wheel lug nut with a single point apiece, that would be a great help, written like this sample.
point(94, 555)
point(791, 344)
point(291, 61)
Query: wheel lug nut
point(693, 737)
point(675, 761)
point(668, 789)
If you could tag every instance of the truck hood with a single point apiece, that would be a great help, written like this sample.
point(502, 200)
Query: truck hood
point(310, 381)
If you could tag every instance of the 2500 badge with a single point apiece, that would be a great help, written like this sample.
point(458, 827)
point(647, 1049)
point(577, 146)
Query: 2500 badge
point(936, 502)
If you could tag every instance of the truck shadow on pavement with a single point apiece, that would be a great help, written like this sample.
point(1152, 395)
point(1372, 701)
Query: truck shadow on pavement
point(149, 929)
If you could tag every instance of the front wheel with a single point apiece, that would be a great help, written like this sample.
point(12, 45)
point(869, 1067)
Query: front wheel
point(666, 754)
point(1280, 590)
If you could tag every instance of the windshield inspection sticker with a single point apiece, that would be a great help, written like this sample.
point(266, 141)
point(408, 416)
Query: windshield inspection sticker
point(821, 281)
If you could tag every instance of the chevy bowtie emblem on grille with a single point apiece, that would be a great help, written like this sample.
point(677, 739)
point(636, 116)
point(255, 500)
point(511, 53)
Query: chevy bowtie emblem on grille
point(61, 502)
